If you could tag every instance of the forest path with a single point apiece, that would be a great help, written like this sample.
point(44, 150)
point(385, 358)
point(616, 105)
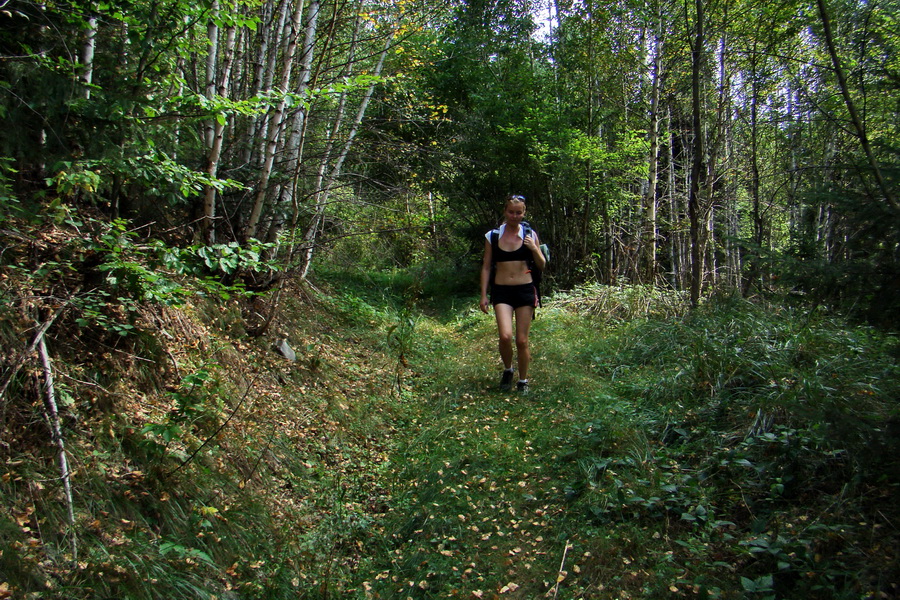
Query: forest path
point(480, 481)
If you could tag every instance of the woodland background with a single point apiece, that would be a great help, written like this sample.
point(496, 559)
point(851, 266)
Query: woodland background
point(693, 145)
point(184, 185)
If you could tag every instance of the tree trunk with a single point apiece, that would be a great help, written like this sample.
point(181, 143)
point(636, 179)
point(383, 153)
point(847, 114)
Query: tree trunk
point(756, 207)
point(851, 108)
point(697, 165)
point(87, 56)
point(275, 127)
point(650, 238)
point(52, 415)
point(294, 146)
point(674, 211)
point(220, 89)
point(267, 64)
point(324, 190)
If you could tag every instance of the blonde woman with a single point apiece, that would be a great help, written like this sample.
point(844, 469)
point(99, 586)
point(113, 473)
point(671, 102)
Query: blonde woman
point(510, 253)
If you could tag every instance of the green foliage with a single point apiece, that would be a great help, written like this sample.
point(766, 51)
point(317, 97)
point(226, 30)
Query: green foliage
point(436, 283)
point(752, 417)
point(622, 303)
point(71, 182)
point(9, 203)
point(155, 173)
point(108, 273)
point(215, 267)
point(186, 554)
point(134, 268)
point(196, 410)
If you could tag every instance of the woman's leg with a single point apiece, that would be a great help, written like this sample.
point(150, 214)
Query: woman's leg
point(524, 316)
point(504, 315)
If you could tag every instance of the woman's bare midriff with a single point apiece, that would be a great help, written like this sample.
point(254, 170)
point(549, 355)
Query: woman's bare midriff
point(514, 272)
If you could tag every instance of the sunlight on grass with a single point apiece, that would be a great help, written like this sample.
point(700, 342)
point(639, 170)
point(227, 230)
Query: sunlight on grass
point(736, 451)
point(651, 460)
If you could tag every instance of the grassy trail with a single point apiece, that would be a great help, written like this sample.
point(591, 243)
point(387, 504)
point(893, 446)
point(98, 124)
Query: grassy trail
point(480, 478)
point(740, 451)
point(708, 456)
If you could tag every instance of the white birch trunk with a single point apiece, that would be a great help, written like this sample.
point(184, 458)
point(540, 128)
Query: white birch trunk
point(221, 89)
point(87, 56)
point(260, 73)
point(280, 32)
point(212, 34)
point(52, 415)
point(653, 175)
point(324, 190)
point(294, 145)
point(274, 127)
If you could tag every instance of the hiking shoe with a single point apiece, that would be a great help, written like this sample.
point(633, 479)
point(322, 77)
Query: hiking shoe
point(522, 386)
point(506, 380)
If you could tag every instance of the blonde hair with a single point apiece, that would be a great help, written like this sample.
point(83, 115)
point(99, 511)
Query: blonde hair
point(514, 199)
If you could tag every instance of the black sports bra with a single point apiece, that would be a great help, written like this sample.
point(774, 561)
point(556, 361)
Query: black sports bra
point(520, 253)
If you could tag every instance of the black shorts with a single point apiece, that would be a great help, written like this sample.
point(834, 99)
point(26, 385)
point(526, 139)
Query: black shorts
point(514, 295)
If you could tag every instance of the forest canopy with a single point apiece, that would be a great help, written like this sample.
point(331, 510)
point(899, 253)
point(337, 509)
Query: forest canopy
point(698, 146)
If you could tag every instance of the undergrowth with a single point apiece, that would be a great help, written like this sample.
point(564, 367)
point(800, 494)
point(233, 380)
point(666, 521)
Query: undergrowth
point(733, 451)
point(737, 451)
point(759, 443)
point(201, 463)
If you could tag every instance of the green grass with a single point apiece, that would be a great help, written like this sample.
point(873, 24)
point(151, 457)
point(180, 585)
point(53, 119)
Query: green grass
point(726, 453)
point(737, 451)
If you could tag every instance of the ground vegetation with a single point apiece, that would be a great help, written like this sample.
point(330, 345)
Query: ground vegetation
point(735, 450)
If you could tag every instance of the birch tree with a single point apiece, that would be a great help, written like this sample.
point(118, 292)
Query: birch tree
point(275, 122)
point(650, 229)
point(325, 183)
point(217, 86)
point(698, 169)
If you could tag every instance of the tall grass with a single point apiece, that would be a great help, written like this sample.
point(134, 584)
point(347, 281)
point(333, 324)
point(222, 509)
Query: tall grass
point(761, 440)
point(735, 451)
point(726, 452)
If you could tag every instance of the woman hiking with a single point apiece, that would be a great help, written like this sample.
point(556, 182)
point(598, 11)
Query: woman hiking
point(508, 285)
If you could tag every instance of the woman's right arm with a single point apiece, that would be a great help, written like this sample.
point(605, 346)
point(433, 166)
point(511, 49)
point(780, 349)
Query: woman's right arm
point(485, 277)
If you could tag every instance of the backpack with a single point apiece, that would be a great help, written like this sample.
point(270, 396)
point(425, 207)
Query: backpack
point(536, 274)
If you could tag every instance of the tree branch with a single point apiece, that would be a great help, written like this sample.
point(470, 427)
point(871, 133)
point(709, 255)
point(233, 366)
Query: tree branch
point(216, 432)
point(52, 415)
point(35, 341)
point(851, 107)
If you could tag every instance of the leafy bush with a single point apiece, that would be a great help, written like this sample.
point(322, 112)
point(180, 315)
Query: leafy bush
point(748, 419)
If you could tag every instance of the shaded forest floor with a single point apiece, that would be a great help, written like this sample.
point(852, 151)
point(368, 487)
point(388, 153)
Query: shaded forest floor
point(741, 451)
point(650, 460)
